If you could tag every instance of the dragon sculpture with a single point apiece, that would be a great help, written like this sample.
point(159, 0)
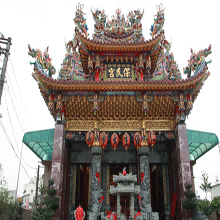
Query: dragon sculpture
point(197, 62)
point(43, 61)
point(118, 29)
point(79, 20)
point(157, 27)
point(71, 68)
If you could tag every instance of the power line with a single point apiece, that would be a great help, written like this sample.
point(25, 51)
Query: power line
point(5, 132)
point(11, 123)
point(19, 91)
point(13, 131)
point(17, 105)
point(9, 93)
point(28, 164)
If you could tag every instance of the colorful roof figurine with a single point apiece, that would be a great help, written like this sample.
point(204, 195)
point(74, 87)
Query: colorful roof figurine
point(118, 60)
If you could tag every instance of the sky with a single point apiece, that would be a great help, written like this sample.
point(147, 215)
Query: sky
point(188, 24)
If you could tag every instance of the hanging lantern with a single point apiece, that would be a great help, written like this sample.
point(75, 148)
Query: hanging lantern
point(137, 140)
point(89, 138)
point(103, 140)
point(126, 140)
point(152, 138)
point(114, 141)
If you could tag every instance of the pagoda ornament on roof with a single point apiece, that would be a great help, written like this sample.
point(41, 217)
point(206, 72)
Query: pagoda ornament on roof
point(118, 40)
point(118, 28)
point(118, 58)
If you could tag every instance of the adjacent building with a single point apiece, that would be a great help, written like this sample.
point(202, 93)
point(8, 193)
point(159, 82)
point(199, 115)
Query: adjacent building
point(29, 193)
point(3, 182)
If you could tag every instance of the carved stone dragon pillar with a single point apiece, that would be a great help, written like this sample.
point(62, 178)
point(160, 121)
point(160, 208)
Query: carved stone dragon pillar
point(96, 191)
point(145, 194)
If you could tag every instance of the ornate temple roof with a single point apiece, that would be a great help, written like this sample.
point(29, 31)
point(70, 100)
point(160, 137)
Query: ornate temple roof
point(118, 61)
point(123, 49)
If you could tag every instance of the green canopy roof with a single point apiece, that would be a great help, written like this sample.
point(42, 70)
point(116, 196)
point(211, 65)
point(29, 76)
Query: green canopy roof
point(200, 143)
point(41, 143)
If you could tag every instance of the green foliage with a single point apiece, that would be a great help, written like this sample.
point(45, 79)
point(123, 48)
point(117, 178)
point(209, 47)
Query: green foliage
point(190, 202)
point(215, 204)
point(3, 202)
point(48, 205)
point(205, 206)
point(205, 186)
point(10, 209)
point(15, 210)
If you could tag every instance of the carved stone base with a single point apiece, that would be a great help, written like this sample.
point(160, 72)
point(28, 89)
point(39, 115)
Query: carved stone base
point(149, 216)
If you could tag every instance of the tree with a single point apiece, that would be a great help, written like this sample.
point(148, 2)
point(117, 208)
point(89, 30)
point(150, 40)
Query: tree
point(4, 200)
point(15, 210)
point(48, 205)
point(205, 186)
point(190, 202)
point(10, 209)
point(205, 206)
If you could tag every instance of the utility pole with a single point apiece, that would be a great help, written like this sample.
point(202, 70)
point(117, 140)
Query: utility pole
point(18, 172)
point(36, 193)
point(5, 51)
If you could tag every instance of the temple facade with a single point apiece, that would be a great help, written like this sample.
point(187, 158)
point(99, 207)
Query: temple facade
point(120, 146)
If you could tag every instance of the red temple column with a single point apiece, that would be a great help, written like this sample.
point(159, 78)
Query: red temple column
point(182, 169)
point(58, 166)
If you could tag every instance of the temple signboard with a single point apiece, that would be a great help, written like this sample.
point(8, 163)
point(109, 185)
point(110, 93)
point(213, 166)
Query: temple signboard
point(119, 72)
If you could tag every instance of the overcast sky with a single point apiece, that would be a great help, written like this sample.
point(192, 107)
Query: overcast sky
point(188, 24)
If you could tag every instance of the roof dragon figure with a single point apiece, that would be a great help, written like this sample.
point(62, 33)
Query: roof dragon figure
point(197, 62)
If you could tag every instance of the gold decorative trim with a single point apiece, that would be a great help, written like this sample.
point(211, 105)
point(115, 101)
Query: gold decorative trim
point(144, 143)
point(74, 185)
point(120, 125)
point(164, 187)
point(89, 191)
point(96, 143)
point(107, 185)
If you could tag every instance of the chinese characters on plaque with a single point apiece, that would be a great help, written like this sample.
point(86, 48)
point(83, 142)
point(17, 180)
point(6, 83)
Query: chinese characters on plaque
point(119, 73)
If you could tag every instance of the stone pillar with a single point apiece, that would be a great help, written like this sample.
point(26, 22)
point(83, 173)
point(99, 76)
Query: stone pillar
point(132, 205)
point(118, 206)
point(145, 203)
point(96, 191)
point(105, 186)
point(57, 166)
point(182, 168)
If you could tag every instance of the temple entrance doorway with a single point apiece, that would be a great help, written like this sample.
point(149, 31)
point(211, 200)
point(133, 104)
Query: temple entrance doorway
point(125, 200)
point(82, 186)
point(157, 198)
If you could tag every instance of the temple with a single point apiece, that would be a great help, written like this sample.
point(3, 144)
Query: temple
point(120, 146)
